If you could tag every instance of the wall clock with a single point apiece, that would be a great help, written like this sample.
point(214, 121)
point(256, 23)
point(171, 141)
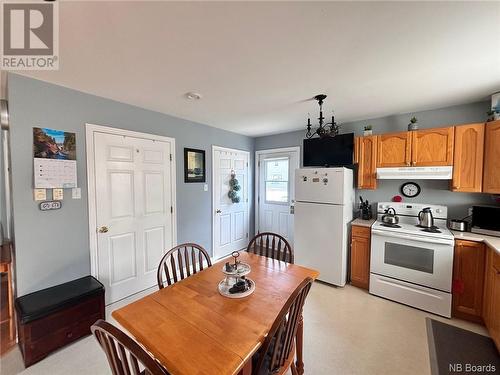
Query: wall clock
point(410, 189)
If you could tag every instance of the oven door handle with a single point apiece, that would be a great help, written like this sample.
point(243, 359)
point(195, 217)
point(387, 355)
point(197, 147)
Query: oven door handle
point(412, 238)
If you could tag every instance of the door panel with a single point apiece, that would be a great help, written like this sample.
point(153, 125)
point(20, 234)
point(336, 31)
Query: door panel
point(367, 162)
point(123, 257)
point(230, 219)
point(276, 192)
point(394, 150)
point(468, 158)
point(491, 179)
point(431, 147)
point(133, 199)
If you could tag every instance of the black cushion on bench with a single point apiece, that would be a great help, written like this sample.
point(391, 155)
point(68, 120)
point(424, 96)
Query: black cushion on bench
point(38, 304)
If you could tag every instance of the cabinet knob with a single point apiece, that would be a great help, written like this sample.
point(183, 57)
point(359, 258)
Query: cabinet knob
point(103, 229)
point(217, 211)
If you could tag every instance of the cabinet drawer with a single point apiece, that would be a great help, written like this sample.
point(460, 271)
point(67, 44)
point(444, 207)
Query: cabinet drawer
point(359, 231)
point(39, 349)
point(64, 318)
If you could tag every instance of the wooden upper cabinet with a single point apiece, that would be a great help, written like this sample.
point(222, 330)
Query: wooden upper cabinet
point(468, 280)
point(367, 162)
point(491, 177)
point(432, 147)
point(356, 150)
point(468, 158)
point(394, 149)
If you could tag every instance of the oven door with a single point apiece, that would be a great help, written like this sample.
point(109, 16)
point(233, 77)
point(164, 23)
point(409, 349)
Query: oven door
point(419, 260)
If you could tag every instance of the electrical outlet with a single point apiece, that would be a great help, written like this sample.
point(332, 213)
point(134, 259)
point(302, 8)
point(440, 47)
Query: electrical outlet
point(469, 211)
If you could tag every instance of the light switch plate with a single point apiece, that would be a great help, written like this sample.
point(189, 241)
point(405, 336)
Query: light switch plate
point(76, 193)
point(205, 187)
point(40, 194)
point(58, 194)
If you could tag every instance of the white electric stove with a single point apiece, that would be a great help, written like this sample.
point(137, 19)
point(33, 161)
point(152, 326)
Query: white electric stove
point(410, 264)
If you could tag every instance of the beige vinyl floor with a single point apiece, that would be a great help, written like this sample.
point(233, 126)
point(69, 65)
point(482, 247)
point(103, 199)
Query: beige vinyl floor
point(347, 332)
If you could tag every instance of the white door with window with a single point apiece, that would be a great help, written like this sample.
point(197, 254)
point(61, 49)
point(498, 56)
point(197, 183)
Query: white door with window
point(276, 190)
point(230, 224)
point(132, 204)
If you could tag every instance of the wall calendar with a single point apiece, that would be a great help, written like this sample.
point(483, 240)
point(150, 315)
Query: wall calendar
point(54, 164)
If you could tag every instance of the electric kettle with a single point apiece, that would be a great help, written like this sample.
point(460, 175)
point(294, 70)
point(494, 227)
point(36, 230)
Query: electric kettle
point(425, 218)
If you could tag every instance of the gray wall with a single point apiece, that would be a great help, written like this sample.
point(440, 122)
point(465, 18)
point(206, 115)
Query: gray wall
point(53, 247)
point(436, 192)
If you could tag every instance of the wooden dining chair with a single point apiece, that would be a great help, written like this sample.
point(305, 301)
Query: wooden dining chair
point(180, 262)
point(125, 356)
point(271, 245)
point(277, 353)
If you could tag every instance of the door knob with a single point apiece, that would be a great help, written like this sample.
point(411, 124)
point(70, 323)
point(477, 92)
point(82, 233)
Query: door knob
point(218, 211)
point(103, 229)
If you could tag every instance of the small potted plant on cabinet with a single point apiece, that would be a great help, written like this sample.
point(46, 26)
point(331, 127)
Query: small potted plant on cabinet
point(413, 124)
point(368, 130)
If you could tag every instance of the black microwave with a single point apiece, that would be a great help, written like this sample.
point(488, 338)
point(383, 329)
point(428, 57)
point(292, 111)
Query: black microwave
point(486, 220)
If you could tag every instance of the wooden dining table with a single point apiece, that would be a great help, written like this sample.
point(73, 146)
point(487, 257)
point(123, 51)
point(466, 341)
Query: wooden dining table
point(192, 329)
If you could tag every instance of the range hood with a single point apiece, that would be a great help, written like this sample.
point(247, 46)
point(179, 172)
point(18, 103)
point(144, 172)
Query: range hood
point(417, 173)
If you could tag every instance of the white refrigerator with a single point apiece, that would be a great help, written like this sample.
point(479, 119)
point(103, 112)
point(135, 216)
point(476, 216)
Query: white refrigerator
point(324, 202)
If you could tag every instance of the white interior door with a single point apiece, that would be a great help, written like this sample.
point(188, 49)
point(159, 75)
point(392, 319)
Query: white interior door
point(133, 200)
point(276, 191)
point(230, 219)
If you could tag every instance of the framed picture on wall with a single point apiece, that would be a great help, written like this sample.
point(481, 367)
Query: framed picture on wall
point(194, 165)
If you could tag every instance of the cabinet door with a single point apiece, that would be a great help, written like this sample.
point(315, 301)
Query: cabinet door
point(468, 278)
point(495, 308)
point(432, 147)
point(356, 150)
point(491, 179)
point(360, 257)
point(491, 300)
point(468, 158)
point(394, 150)
point(367, 162)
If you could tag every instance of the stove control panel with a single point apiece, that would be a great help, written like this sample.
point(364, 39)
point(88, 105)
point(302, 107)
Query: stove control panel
point(412, 209)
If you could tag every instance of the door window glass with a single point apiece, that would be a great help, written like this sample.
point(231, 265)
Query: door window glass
point(412, 257)
point(276, 180)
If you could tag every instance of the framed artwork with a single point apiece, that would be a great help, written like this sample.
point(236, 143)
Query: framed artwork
point(194, 165)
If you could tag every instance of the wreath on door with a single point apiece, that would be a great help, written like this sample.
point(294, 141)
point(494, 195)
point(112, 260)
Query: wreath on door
point(234, 187)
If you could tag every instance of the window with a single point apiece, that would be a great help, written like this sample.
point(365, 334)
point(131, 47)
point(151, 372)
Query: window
point(276, 180)
point(411, 257)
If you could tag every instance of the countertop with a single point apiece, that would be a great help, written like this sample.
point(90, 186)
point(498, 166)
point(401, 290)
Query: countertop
point(493, 242)
point(363, 223)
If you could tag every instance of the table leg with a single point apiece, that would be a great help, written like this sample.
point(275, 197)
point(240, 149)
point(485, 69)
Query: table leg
point(299, 342)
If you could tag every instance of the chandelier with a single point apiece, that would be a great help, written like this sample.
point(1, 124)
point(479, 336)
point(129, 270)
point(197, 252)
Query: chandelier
point(329, 129)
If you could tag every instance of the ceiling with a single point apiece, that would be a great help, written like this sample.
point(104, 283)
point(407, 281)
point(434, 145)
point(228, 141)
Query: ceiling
point(257, 63)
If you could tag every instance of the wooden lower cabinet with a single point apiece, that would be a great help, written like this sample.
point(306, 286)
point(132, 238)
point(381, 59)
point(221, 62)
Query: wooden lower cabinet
point(491, 299)
point(360, 256)
point(468, 280)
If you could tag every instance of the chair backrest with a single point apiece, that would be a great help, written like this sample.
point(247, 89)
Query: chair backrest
point(125, 356)
point(180, 262)
point(279, 343)
point(271, 245)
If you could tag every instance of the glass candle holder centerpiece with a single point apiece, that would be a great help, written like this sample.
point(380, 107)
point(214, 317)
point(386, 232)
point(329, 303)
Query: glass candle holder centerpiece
point(236, 284)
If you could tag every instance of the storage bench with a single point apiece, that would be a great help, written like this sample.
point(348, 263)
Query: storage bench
point(51, 318)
